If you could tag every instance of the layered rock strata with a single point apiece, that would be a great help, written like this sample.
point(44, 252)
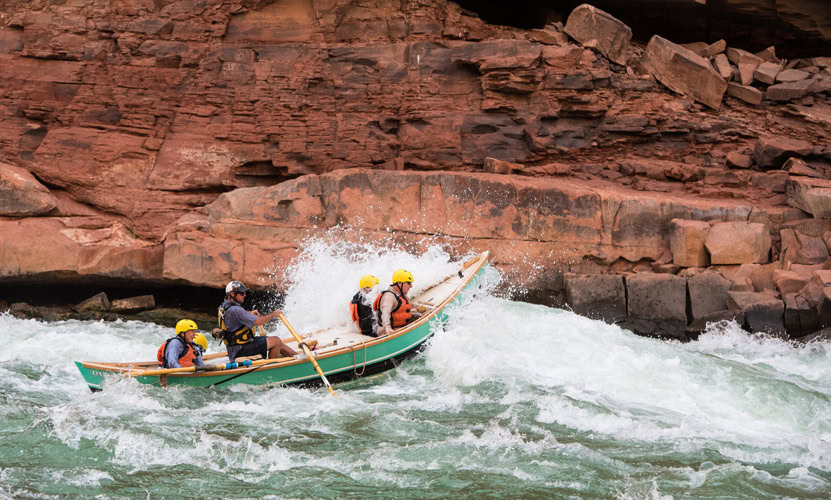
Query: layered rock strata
point(193, 143)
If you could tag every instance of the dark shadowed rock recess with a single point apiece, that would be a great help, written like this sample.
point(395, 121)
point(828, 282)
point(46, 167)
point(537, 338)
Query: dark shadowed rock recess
point(657, 182)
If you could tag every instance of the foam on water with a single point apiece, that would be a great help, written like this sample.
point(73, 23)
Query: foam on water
point(506, 396)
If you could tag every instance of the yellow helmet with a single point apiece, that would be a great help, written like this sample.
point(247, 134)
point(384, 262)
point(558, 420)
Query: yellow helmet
point(402, 276)
point(201, 341)
point(369, 281)
point(185, 325)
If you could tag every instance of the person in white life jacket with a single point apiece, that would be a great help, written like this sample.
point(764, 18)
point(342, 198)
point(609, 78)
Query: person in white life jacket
point(361, 307)
point(392, 306)
point(236, 327)
point(185, 349)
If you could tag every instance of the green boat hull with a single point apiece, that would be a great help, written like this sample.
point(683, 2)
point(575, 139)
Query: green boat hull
point(358, 362)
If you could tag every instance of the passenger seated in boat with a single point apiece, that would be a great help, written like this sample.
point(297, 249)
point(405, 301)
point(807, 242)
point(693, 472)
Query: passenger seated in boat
point(361, 307)
point(236, 327)
point(185, 349)
point(393, 307)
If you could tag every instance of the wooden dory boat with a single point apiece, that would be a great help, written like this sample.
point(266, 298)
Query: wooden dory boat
point(342, 352)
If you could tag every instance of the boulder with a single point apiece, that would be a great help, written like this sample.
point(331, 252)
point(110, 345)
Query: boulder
point(745, 73)
point(766, 72)
point(792, 75)
point(21, 195)
point(772, 151)
point(738, 243)
point(789, 282)
point(812, 249)
point(708, 298)
point(683, 71)
point(739, 56)
point(800, 318)
point(686, 242)
point(789, 91)
point(494, 166)
point(713, 49)
point(657, 304)
point(98, 302)
point(138, 303)
point(601, 297)
point(762, 312)
point(746, 93)
point(810, 195)
point(596, 29)
point(738, 160)
point(762, 276)
point(722, 66)
point(795, 166)
point(768, 54)
point(824, 307)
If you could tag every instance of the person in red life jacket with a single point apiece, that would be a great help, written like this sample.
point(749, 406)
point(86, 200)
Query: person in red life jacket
point(236, 327)
point(393, 306)
point(185, 349)
point(361, 307)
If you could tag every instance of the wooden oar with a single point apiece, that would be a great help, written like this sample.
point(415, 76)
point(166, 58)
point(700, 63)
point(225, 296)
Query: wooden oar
point(210, 368)
point(308, 353)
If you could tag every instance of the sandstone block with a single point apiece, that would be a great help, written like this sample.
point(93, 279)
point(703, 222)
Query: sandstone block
point(772, 151)
point(822, 277)
point(657, 304)
point(766, 72)
point(714, 48)
point(762, 312)
point(789, 91)
point(810, 195)
point(722, 66)
point(812, 249)
point(21, 195)
point(98, 302)
point(494, 166)
point(684, 72)
point(138, 303)
point(746, 93)
point(824, 307)
point(745, 71)
point(800, 318)
point(789, 281)
point(768, 54)
point(738, 243)
point(594, 28)
point(792, 75)
point(739, 56)
point(686, 241)
point(795, 166)
point(708, 298)
point(738, 160)
point(601, 297)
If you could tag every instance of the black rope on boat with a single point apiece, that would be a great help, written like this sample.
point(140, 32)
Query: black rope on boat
point(239, 375)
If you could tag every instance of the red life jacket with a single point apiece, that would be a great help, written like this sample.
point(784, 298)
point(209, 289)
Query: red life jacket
point(401, 314)
point(185, 359)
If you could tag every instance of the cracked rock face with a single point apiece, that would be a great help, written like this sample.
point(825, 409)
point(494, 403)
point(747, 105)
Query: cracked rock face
point(167, 136)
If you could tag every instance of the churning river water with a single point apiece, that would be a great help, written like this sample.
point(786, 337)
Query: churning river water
point(508, 400)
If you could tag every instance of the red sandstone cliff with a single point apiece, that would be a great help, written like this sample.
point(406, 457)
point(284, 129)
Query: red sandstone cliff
point(122, 123)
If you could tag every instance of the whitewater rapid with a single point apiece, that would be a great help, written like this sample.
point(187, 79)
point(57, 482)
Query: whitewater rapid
point(508, 399)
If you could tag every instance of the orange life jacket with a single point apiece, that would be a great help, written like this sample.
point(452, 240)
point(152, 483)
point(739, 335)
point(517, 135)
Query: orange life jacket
point(401, 314)
point(185, 359)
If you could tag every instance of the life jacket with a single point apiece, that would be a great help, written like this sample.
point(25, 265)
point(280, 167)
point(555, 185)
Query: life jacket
point(401, 314)
point(362, 314)
point(241, 336)
point(185, 359)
